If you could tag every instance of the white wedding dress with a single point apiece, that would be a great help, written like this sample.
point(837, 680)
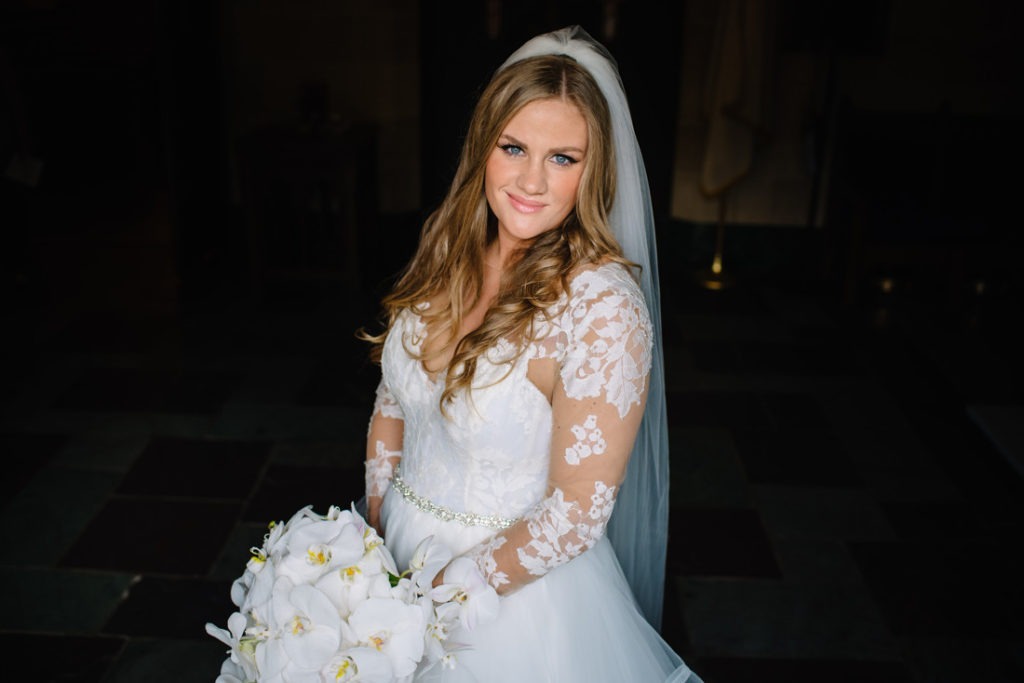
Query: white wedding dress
point(525, 487)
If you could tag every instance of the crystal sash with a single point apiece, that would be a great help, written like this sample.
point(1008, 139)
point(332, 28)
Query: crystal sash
point(447, 514)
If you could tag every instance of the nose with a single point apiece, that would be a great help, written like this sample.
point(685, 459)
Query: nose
point(533, 179)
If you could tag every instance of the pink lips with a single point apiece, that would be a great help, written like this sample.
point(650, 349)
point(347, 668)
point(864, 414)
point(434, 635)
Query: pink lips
point(524, 205)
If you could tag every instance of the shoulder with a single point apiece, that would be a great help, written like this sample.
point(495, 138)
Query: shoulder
point(608, 337)
point(605, 303)
point(592, 279)
point(605, 288)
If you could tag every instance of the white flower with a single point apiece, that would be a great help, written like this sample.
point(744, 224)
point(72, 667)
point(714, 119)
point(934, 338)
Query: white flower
point(272, 539)
point(442, 620)
point(347, 587)
point(242, 585)
point(377, 551)
point(252, 591)
point(391, 627)
point(232, 673)
point(242, 648)
point(322, 601)
point(278, 533)
point(271, 660)
point(435, 638)
point(402, 590)
point(314, 549)
point(466, 587)
point(428, 559)
point(359, 665)
point(240, 588)
point(307, 623)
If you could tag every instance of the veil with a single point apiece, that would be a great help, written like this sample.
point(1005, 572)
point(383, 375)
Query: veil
point(638, 529)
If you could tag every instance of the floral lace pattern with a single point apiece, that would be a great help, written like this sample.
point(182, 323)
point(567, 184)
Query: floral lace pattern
point(560, 530)
point(611, 353)
point(589, 441)
point(385, 403)
point(383, 441)
point(483, 555)
point(553, 461)
point(380, 469)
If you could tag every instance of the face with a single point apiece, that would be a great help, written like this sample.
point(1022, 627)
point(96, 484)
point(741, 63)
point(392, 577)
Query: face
point(534, 171)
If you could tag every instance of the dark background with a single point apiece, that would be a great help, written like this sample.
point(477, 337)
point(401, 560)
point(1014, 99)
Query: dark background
point(126, 104)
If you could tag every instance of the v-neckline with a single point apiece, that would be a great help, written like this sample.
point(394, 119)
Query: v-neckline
point(434, 376)
point(435, 380)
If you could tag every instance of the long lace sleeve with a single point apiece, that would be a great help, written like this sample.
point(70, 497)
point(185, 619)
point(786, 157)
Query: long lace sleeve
point(596, 409)
point(383, 449)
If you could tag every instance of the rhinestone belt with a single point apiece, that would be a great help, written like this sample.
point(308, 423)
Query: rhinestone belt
point(447, 514)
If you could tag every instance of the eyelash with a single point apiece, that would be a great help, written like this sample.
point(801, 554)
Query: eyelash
point(508, 149)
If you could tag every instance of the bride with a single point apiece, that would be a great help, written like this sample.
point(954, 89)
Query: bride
point(522, 396)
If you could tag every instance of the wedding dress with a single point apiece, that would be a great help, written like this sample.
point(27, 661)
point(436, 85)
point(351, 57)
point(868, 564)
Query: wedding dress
point(526, 486)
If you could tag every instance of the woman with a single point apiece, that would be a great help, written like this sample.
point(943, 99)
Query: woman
point(521, 368)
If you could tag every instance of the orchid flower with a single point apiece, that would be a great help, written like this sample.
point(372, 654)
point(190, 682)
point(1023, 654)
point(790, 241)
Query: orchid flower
point(308, 624)
point(231, 673)
point(428, 559)
point(391, 627)
point(322, 600)
point(466, 587)
point(316, 548)
point(241, 653)
point(359, 665)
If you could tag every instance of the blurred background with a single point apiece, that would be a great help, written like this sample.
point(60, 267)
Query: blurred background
point(202, 201)
point(166, 144)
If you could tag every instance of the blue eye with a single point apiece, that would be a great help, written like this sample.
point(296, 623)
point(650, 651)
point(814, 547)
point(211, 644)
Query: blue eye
point(564, 160)
point(512, 150)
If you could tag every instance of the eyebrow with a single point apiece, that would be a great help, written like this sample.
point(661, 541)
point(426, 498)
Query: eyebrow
point(554, 150)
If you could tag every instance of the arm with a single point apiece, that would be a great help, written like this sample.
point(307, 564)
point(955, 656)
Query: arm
point(596, 409)
point(383, 450)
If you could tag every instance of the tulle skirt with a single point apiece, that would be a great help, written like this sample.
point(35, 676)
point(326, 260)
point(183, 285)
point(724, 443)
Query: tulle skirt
point(577, 624)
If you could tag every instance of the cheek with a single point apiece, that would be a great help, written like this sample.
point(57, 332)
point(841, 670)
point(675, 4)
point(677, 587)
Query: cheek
point(490, 179)
point(569, 189)
point(494, 172)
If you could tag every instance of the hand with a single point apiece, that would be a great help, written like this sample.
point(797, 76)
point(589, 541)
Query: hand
point(439, 578)
point(374, 521)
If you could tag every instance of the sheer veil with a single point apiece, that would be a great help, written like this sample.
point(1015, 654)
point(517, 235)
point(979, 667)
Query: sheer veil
point(639, 526)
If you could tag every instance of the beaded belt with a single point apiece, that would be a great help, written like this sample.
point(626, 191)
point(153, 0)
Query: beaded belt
point(447, 514)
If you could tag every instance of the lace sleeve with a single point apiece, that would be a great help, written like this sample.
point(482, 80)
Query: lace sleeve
point(383, 445)
point(597, 409)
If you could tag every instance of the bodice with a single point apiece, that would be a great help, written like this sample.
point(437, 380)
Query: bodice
point(489, 453)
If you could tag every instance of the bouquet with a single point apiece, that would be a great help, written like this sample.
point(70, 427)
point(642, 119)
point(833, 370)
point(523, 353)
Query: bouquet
point(322, 600)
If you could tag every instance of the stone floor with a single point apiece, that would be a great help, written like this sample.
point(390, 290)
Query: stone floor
point(837, 513)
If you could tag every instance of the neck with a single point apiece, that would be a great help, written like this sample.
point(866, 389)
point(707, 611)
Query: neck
point(498, 253)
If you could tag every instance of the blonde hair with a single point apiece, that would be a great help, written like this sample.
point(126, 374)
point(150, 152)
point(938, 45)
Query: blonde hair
point(448, 263)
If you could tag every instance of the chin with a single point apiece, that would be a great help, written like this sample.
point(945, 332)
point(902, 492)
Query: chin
point(529, 232)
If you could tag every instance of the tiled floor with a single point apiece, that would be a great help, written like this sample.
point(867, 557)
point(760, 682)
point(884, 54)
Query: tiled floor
point(836, 514)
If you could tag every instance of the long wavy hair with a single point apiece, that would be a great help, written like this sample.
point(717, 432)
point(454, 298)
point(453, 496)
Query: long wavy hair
point(447, 268)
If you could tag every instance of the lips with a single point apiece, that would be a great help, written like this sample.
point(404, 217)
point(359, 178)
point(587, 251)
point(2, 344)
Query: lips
point(523, 205)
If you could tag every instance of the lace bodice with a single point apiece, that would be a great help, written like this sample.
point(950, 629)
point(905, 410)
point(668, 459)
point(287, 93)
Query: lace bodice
point(503, 449)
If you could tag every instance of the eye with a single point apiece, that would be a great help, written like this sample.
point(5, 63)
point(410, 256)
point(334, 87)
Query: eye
point(563, 160)
point(512, 150)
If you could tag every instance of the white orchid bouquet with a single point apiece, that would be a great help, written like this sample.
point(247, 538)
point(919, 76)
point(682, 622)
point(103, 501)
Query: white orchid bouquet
point(322, 600)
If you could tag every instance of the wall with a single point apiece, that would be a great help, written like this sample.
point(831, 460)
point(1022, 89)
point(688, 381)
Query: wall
point(366, 55)
point(914, 58)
